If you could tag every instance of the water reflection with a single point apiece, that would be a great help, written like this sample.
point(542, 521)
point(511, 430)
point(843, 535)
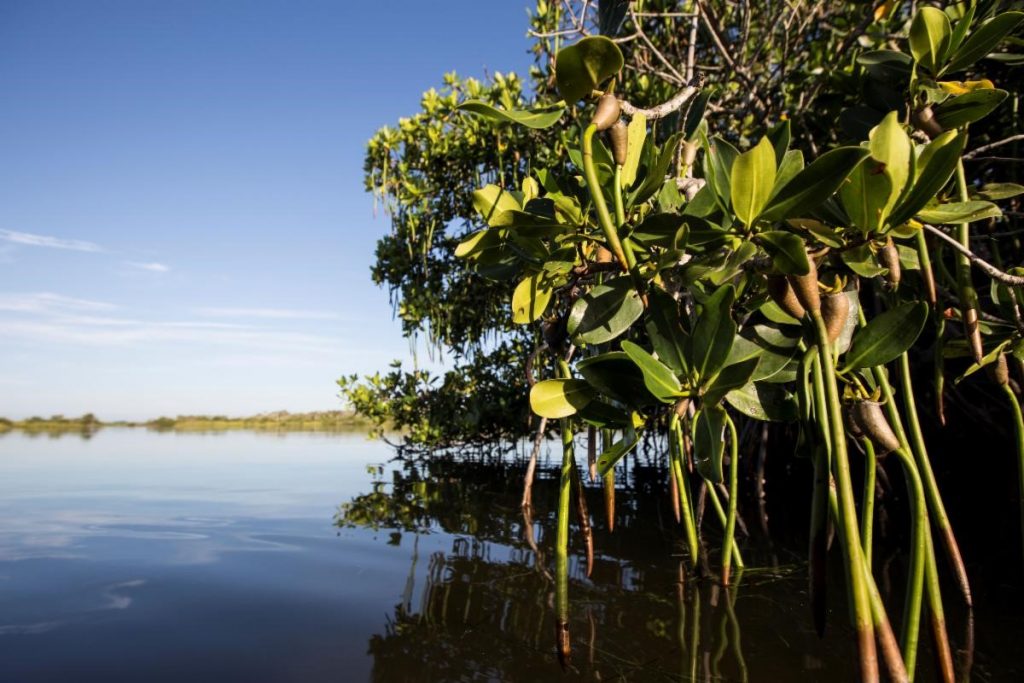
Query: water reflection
point(485, 606)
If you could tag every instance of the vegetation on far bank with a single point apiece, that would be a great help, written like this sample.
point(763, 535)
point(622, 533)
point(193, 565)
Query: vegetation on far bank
point(323, 421)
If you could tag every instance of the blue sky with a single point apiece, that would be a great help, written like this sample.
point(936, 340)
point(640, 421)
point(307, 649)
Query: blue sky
point(183, 227)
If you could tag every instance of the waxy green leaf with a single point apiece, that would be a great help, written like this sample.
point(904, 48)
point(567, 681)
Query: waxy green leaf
point(658, 378)
point(530, 299)
point(887, 336)
point(814, 184)
point(709, 442)
point(581, 67)
point(557, 398)
point(959, 212)
point(929, 35)
point(544, 117)
point(968, 108)
point(605, 312)
point(607, 460)
point(713, 334)
point(788, 252)
point(751, 181)
point(983, 40)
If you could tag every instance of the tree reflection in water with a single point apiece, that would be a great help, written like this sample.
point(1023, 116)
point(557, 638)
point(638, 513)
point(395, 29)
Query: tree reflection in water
point(486, 609)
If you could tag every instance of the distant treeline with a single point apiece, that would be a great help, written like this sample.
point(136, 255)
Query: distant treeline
point(330, 420)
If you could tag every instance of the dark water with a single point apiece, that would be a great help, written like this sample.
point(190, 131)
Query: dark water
point(135, 556)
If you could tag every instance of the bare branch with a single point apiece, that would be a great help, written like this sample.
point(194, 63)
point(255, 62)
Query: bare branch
point(984, 148)
point(665, 108)
point(984, 266)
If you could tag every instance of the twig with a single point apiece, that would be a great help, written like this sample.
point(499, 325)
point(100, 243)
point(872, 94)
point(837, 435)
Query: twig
point(984, 148)
point(984, 266)
point(665, 108)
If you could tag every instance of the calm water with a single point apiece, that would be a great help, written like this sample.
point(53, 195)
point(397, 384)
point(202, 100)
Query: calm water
point(251, 557)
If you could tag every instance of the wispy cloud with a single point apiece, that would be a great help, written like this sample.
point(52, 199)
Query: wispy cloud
point(33, 240)
point(152, 267)
point(47, 302)
point(267, 313)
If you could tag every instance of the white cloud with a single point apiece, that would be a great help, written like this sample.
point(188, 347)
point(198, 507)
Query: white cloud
point(33, 240)
point(47, 302)
point(269, 313)
point(152, 267)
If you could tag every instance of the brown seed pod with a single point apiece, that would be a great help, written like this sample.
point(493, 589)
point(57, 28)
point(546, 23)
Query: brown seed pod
point(607, 112)
point(689, 153)
point(865, 418)
point(806, 288)
point(835, 309)
point(618, 135)
point(924, 120)
point(783, 295)
point(890, 258)
point(563, 642)
point(602, 255)
point(999, 372)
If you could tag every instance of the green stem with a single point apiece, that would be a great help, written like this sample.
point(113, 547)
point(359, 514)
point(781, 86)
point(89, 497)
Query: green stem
point(849, 533)
point(918, 550)
point(611, 235)
point(1018, 423)
point(867, 508)
point(620, 212)
point(931, 487)
point(944, 654)
point(683, 485)
point(817, 553)
point(968, 294)
point(730, 518)
point(562, 546)
point(720, 513)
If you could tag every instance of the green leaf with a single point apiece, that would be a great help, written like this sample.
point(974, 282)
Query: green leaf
point(695, 112)
point(886, 336)
point(862, 261)
point(983, 40)
point(543, 117)
point(731, 377)
point(791, 164)
point(866, 195)
point(890, 145)
point(658, 378)
point(788, 252)
point(813, 185)
point(655, 177)
point(994, 191)
point(968, 108)
point(713, 334)
point(719, 156)
point(709, 442)
point(959, 33)
point(751, 181)
point(779, 135)
point(616, 376)
point(490, 201)
point(942, 155)
point(765, 402)
point(604, 415)
point(581, 67)
point(959, 212)
point(557, 398)
point(530, 299)
point(665, 331)
point(636, 131)
point(929, 34)
point(607, 460)
point(605, 312)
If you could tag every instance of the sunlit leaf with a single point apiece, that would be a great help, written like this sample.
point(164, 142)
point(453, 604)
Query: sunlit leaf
point(557, 398)
point(530, 299)
point(658, 378)
point(605, 312)
point(887, 336)
point(531, 118)
point(581, 67)
point(751, 181)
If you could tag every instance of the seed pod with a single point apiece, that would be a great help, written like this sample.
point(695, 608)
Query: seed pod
point(890, 258)
point(999, 372)
point(865, 418)
point(835, 309)
point(806, 288)
point(924, 120)
point(618, 135)
point(607, 112)
point(563, 642)
point(689, 153)
point(602, 255)
point(783, 295)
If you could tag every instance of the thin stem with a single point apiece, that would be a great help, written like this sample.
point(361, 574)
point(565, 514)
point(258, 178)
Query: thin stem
point(683, 485)
point(915, 579)
point(968, 295)
point(611, 235)
point(867, 508)
point(938, 616)
point(1018, 423)
point(849, 532)
point(730, 518)
point(964, 253)
point(720, 513)
point(931, 487)
point(562, 547)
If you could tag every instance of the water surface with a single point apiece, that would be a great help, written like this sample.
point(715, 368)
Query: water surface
point(239, 556)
